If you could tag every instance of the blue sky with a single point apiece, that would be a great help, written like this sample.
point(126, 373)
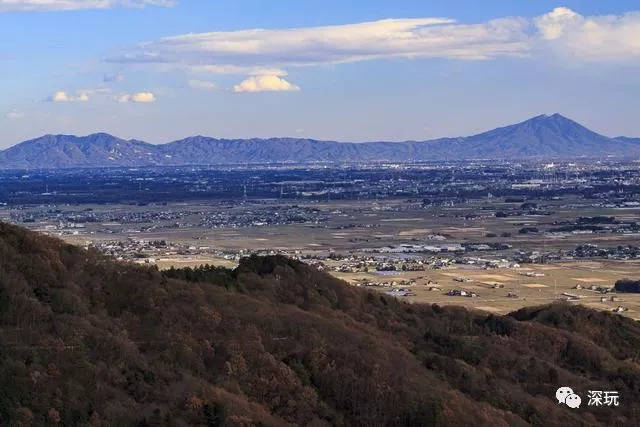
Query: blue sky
point(347, 70)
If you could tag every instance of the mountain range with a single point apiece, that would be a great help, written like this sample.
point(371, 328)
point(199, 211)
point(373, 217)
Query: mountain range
point(545, 136)
point(88, 341)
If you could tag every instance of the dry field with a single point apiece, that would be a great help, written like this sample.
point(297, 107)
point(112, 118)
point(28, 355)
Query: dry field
point(558, 281)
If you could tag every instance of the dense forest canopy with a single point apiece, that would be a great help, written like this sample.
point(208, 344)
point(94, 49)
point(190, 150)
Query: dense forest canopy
point(85, 340)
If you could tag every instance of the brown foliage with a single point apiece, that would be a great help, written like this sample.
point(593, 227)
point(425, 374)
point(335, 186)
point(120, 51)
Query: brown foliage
point(277, 342)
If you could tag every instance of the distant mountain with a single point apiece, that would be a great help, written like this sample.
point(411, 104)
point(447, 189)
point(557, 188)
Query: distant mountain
point(67, 151)
point(546, 136)
point(88, 341)
point(543, 136)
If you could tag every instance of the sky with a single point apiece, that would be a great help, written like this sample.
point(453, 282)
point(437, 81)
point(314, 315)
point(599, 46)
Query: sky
point(160, 70)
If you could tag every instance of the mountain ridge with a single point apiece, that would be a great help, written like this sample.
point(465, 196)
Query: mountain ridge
point(543, 136)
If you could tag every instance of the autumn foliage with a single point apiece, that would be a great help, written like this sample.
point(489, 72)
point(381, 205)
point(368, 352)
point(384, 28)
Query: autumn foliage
point(88, 341)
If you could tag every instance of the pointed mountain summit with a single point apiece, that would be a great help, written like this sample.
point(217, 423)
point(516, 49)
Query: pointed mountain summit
point(544, 127)
point(544, 136)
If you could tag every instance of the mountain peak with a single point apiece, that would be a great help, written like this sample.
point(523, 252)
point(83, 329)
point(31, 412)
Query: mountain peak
point(101, 135)
point(560, 118)
point(558, 124)
point(549, 117)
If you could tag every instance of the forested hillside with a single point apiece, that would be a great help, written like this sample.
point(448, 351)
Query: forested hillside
point(88, 341)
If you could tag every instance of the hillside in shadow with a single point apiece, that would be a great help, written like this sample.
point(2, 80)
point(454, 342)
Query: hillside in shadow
point(85, 340)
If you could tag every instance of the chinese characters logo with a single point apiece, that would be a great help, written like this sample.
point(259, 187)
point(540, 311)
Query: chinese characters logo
point(567, 396)
point(603, 398)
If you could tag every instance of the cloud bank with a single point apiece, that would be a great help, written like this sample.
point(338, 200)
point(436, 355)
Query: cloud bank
point(65, 5)
point(565, 32)
point(407, 38)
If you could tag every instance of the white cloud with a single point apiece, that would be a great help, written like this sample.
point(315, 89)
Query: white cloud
point(202, 85)
point(62, 96)
point(248, 51)
point(14, 115)
point(62, 5)
point(265, 83)
point(553, 24)
point(139, 97)
point(143, 97)
point(607, 37)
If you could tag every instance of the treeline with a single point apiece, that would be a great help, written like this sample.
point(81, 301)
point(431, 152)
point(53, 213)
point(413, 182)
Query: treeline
point(219, 276)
